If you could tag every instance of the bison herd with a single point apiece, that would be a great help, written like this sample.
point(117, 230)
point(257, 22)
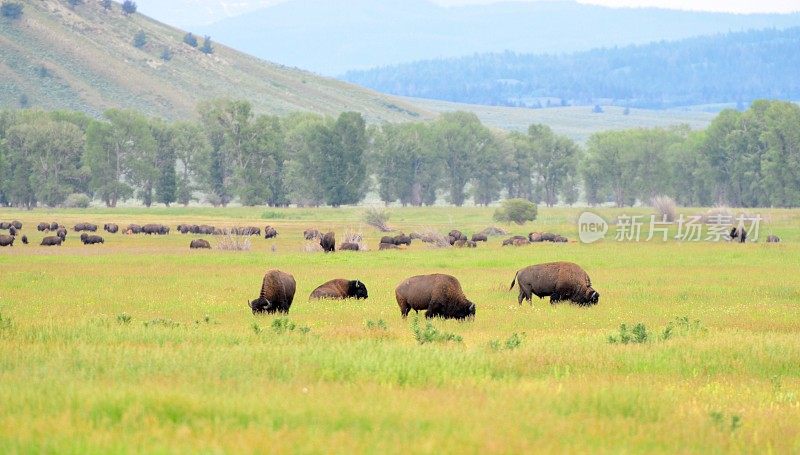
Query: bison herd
point(439, 295)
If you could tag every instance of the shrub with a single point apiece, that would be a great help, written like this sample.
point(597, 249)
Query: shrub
point(718, 215)
point(682, 326)
point(140, 39)
point(166, 54)
point(207, 48)
point(5, 323)
point(518, 211)
point(380, 324)
point(74, 3)
point(637, 335)
point(77, 201)
point(11, 10)
point(433, 238)
point(106, 4)
point(377, 218)
point(124, 318)
point(354, 236)
point(190, 39)
point(168, 323)
point(665, 207)
point(513, 342)
point(233, 242)
point(284, 325)
point(128, 7)
point(431, 335)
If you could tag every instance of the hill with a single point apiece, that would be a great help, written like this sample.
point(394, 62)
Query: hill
point(83, 58)
point(734, 67)
point(334, 36)
point(576, 122)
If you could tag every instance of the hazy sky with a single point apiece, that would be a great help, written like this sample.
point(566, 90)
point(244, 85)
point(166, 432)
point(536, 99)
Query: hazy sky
point(734, 6)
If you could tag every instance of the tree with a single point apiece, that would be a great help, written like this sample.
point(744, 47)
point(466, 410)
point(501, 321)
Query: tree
point(555, 162)
point(128, 7)
point(460, 138)
point(74, 3)
point(190, 39)
point(517, 211)
point(406, 164)
point(106, 4)
point(486, 183)
point(300, 177)
point(165, 157)
point(140, 39)
point(11, 10)
point(192, 152)
point(166, 54)
point(341, 167)
point(207, 48)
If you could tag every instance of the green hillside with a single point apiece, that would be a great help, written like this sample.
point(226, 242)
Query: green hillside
point(83, 58)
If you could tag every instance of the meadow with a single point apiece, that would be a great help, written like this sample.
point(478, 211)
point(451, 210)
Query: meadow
point(143, 346)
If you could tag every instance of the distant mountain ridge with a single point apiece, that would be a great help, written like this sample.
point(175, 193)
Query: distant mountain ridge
point(730, 68)
point(334, 36)
point(83, 58)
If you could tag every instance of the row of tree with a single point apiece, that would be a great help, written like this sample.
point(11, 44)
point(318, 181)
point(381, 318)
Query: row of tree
point(230, 154)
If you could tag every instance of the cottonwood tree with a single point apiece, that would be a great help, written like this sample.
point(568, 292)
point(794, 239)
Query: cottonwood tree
point(192, 154)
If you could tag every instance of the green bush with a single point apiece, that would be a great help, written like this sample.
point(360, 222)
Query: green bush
point(626, 336)
point(284, 325)
point(124, 318)
point(140, 39)
point(11, 10)
point(517, 211)
point(380, 324)
point(431, 335)
point(513, 342)
point(77, 201)
point(190, 39)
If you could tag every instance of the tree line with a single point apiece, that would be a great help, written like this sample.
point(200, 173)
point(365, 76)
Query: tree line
point(743, 66)
point(229, 154)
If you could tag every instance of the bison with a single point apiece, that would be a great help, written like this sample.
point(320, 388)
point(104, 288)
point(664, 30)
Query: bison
point(41, 227)
point(311, 234)
point(111, 228)
point(328, 242)
point(133, 229)
point(739, 234)
point(7, 240)
point(558, 280)
point(340, 289)
point(440, 295)
point(25, 239)
point(270, 232)
point(773, 239)
point(402, 239)
point(52, 240)
point(4, 226)
point(12, 230)
point(465, 244)
point(54, 226)
point(458, 235)
point(277, 293)
point(84, 227)
point(387, 239)
point(17, 224)
point(517, 240)
point(91, 239)
point(199, 244)
point(155, 229)
point(480, 238)
point(62, 232)
point(349, 246)
point(387, 246)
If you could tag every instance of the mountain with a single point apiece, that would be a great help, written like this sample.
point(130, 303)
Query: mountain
point(83, 58)
point(730, 68)
point(333, 36)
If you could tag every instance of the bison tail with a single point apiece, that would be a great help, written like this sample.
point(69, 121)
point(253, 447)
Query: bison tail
point(514, 281)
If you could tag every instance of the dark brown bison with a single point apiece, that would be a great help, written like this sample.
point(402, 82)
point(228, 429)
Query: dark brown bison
point(559, 280)
point(155, 229)
point(41, 227)
point(133, 229)
point(52, 240)
point(328, 242)
point(440, 295)
point(340, 289)
point(25, 239)
point(738, 234)
point(458, 235)
point(85, 227)
point(387, 246)
point(465, 244)
point(62, 232)
point(7, 240)
point(54, 226)
point(349, 246)
point(199, 244)
point(517, 240)
point(773, 239)
point(4, 225)
point(480, 238)
point(17, 224)
point(270, 232)
point(277, 293)
point(87, 239)
point(402, 239)
point(12, 230)
point(183, 228)
point(111, 228)
point(311, 234)
point(387, 239)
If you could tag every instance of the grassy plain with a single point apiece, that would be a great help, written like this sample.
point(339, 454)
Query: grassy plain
point(142, 346)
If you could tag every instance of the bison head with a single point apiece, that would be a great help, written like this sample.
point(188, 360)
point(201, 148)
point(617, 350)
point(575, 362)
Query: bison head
point(590, 297)
point(464, 311)
point(261, 305)
point(357, 289)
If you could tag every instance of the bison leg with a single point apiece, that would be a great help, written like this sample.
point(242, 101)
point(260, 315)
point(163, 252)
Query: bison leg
point(555, 298)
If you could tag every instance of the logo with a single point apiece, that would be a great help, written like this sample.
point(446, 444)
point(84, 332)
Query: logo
point(591, 227)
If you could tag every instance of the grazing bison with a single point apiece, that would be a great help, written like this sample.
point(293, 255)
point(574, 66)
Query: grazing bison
point(199, 244)
point(84, 227)
point(349, 246)
point(340, 289)
point(25, 239)
point(52, 240)
point(155, 229)
point(465, 244)
point(133, 229)
point(517, 240)
point(387, 246)
point(458, 235)
point(480, 238)
point(439, 294)
point(12, 230)
point(773, 239)
point(7, 240)
point(277, 293)
point(17, 224)
point(559, 280)
point(311, 234)
point(184, 228)
point(387, 239)
point(270, 232)
point(111, 228)
point(739, 234)
point(328, 242)
point(54, 226)
point(41, 227)
point(62, 232)
point(401, 239)
point(91, 239)
point(4, 226)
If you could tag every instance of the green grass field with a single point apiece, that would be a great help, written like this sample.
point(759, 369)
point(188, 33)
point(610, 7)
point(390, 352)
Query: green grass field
point(142, 346)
